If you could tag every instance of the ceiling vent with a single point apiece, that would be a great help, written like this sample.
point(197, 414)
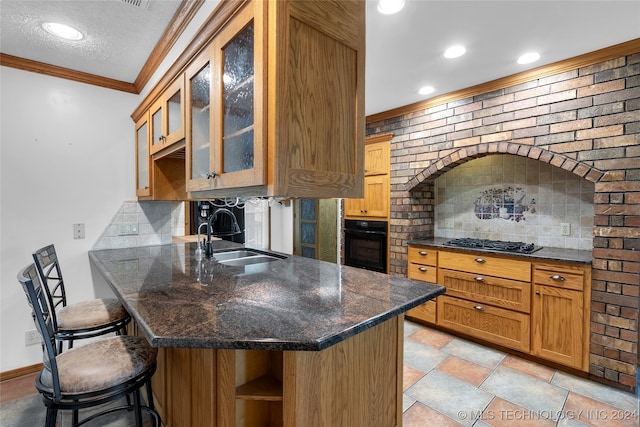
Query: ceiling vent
point(140, 4)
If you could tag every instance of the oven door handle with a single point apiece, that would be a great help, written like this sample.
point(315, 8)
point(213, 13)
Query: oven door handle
point(365, 232)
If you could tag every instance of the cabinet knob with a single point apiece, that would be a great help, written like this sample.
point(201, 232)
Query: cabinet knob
point(422, 268)
point(557, 277)
point(537, 292)
point(211, 175)
point(479, 279)
point(480, 260)
point(478, 307)
point(423, 253)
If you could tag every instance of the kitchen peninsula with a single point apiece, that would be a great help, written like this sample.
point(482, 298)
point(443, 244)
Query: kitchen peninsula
point(292, 342)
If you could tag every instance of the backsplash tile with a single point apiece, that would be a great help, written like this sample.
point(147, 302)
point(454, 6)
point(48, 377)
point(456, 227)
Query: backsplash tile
point(153, 220)
point(507, 197)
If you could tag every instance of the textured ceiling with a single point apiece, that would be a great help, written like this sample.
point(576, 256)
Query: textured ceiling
point(404, 51)
point(118, 36)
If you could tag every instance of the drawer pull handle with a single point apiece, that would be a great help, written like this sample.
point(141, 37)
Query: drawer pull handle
point(479, 279)
point(423, 253)
point(481, 260)
point(478, 307)
point(557, 277)
point(422, 268)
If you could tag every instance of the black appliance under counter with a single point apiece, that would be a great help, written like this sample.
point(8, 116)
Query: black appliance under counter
point(539, 253)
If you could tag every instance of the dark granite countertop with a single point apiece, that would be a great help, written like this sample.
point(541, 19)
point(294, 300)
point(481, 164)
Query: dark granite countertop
point(553, 254)
point(292, 304)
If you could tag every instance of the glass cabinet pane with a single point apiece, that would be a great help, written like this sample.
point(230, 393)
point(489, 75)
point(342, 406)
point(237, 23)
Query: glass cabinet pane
point(237, 98)
point(143, 157)
point(200, 122)
point(156, 127)
point(175, 119)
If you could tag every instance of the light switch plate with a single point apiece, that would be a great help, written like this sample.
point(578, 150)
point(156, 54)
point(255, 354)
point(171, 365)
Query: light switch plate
point(78, 231)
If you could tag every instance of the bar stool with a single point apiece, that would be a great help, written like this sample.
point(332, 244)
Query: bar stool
point(94, 374)
point(85, 319)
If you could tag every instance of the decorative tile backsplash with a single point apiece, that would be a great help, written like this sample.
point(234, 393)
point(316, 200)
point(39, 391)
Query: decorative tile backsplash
point(506, 197)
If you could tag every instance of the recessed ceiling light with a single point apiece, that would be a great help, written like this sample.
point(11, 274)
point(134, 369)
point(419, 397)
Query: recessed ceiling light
point(389, 7)
point(454, 51)
point(63, 31)
point(426, 90)
point(528, 58)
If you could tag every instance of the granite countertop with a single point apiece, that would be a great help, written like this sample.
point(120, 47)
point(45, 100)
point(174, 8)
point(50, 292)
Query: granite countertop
point(552, 254)
point(292, 304)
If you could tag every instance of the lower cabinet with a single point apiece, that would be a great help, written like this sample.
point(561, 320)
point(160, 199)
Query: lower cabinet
point(560, 315)
point(540, 308)
point(496, 325)
point(355, 383)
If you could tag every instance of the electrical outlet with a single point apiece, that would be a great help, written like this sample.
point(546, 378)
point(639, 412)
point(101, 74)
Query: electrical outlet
point(32, 337)
point(78, 231)
point(449, 223)
point(565, 229)
point(128, 228)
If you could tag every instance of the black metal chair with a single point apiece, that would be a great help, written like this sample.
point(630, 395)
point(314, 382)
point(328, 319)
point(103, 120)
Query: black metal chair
point(99, 372)
point(85, 319)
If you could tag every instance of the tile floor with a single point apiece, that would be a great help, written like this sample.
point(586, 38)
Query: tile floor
point(447, 382)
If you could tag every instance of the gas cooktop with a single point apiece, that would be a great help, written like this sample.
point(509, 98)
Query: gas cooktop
point(495, 245)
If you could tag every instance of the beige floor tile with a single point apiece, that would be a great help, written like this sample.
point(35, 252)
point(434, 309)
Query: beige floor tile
point(432, 337)
point(422, 416)
point(501, 413)
point(541, 372)
point(597, 414)
point(410, 376)
point(464, 370)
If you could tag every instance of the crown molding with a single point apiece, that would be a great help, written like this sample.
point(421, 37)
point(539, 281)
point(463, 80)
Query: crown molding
point(601, 55)
point(65, 73)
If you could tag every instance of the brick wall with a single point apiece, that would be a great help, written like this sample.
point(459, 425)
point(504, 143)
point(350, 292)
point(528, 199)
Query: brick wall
point(586, 121)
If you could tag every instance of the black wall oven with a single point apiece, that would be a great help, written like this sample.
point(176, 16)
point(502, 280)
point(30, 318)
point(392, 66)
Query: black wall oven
point(365, 244)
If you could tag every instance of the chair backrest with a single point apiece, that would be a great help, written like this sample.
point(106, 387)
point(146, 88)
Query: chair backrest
point(46, 261)
point(43, 319)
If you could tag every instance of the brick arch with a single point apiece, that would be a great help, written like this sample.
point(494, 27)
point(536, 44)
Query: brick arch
point(466, 154)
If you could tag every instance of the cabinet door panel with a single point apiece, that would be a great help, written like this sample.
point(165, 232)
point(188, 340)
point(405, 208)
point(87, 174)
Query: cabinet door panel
point(486, 265)
point(377, 159)
point(376, 196)
point(143, 184)
point(425, 312)
point(504, 293)
point(426, 256)
point(198, 122)
point(496, 325)
point(558, 325)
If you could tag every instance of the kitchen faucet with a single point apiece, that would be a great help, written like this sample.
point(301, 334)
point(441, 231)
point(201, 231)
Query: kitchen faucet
point(234, 226)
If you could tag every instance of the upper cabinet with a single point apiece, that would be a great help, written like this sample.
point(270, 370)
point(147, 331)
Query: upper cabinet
point(274, 101)
point(143, 160)
point(167, 117)
point(377, 165)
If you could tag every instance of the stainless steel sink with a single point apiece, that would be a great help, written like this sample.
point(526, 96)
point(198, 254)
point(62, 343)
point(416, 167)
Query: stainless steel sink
point(245, 257)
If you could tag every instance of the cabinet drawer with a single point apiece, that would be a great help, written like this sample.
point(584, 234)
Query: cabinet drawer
point(504, 293)
point(425, 312)
point(426, 273)
point(486, 265)
point(503, 327)
point(425, 256)
point(567, 277)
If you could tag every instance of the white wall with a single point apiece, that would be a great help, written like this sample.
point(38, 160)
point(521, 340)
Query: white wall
point(66, 156)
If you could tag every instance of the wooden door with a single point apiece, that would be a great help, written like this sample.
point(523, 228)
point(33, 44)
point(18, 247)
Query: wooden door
point(558, 325)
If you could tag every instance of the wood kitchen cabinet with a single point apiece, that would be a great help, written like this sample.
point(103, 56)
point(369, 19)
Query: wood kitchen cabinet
point(167, 117)
point(143, 160)
point(487, 297)
point(377, 164)
point(423, 265)
point(269, 123)
point(560, 319)
point(540, 308)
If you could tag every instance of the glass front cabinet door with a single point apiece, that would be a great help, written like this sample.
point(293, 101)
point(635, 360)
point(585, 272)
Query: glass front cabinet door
point(227, 83)
point(167, 117)
point(143, 185)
